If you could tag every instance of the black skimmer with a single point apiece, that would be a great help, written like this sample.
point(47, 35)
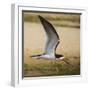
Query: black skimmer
point(52, 42)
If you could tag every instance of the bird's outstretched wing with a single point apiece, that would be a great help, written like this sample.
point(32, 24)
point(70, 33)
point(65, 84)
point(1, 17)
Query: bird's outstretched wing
point(52, 37)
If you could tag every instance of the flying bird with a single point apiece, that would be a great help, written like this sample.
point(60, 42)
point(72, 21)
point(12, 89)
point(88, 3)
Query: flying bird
point(52, 42)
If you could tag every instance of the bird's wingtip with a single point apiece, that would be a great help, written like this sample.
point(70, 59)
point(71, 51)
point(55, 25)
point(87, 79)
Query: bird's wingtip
point(39, 16)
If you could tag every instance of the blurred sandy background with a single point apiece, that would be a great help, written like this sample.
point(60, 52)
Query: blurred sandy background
point(68, 29)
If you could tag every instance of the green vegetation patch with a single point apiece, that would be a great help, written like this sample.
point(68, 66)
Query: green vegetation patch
point(42, 67)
